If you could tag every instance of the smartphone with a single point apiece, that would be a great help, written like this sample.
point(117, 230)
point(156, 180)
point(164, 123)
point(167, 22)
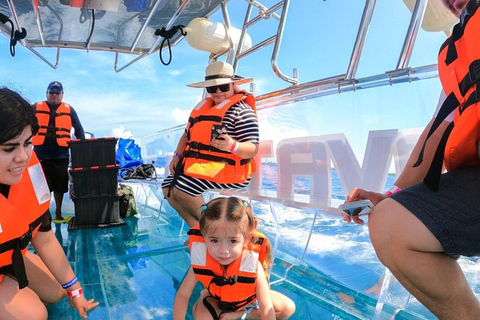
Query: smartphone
point(357, 208)
point(218, 129)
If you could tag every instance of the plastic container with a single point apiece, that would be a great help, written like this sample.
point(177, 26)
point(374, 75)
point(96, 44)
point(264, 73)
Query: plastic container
point(96, 210)
point(93, 152)
point(207, 35)
point(95, 181)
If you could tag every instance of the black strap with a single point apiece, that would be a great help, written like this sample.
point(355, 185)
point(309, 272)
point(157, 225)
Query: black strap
point(43, 111)
point(206, 147)
point(448, 106)
point(194, 232)
point(210, 308)
point(18, 244)
point(432, 178)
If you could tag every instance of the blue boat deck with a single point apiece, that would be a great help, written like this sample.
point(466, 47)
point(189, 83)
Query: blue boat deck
point(135, 269)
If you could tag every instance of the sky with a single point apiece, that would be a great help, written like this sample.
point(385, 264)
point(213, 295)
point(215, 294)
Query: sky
point(148, 97)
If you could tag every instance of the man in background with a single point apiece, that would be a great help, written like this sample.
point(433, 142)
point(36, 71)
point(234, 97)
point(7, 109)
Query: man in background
point(56, 120)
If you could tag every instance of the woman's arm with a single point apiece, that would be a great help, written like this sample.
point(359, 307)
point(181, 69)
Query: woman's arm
point(51, 253)
point(182, 142)
point(180, 305)
point(267, 312)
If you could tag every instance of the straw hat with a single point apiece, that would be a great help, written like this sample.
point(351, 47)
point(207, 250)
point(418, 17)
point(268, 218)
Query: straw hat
point(218, 73)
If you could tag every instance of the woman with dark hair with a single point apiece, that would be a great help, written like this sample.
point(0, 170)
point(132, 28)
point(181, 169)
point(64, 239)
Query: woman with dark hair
point(28, 281)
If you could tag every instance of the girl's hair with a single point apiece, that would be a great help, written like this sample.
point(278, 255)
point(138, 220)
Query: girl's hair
point(231, 209)
point(15, 115)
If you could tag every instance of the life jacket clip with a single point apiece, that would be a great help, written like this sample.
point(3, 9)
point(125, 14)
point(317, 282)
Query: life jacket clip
point(474, 71)
point(222, 281)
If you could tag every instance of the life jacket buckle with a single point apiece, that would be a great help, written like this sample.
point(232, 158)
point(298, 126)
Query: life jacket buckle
point(227, 306)
point(25, 240)
point(222, 281)
point(194, 120)
point(194, 145)
point(474, 71)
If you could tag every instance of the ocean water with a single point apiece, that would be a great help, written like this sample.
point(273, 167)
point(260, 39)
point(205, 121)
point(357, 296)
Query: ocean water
point(337, 249)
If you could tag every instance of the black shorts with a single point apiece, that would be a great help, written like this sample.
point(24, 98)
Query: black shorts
point(452, 213)
point(56, 173)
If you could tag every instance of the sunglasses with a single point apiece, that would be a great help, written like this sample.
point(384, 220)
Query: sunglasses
point(55, 92)
point(222, 87)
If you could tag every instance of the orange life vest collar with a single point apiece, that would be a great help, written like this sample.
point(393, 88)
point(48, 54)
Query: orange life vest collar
point(234, 287)
point(63, 123)
point(20, 219)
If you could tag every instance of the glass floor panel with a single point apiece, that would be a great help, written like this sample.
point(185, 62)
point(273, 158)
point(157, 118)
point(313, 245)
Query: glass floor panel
point(135, 269)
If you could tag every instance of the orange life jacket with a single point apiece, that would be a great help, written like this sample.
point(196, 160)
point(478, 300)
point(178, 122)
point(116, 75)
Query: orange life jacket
point(459, 71)
point(63, 123)
point(21, 215)
point(203, 161)
point(234, 287)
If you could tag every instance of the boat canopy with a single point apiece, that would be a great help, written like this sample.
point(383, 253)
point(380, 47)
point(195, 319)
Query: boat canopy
point(131, 27)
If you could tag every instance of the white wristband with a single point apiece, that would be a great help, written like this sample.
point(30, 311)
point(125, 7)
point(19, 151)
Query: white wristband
point(234, 148)
point(75, 293)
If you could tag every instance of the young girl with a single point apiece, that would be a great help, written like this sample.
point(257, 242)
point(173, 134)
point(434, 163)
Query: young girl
point(230, 258)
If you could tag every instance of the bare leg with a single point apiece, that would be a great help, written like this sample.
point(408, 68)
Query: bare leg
point(58, 203)
point(19, 304)
point(416, 258)
point(41, 280)
point(187, 206)
point(200, 312)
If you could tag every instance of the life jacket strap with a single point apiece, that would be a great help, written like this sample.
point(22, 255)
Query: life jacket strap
point(18, 244)
point(471, 78)
point(448, 106)
point(201, 146)
point(432, 179)
point(42, 111)
point(210, 308)
point(194, 232)
point(208, 157)
point(237, 305)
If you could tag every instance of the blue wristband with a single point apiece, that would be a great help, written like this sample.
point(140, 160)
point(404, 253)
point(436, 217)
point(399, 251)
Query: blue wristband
point(176, 154)
point(70, 283)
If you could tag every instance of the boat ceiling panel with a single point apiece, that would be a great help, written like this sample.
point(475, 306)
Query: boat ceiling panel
point(115, 29)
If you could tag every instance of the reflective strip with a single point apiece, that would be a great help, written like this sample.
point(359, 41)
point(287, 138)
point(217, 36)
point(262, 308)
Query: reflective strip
point(200, 104)
point(199, 254)
point(249, 261)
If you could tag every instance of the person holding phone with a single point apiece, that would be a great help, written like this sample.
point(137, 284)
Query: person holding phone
point(428, 220)
point(217, 148)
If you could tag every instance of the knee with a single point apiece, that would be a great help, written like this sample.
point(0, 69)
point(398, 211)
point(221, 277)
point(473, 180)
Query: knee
point(378, 225)
point(287, 310)
point(37, 311)
point(55, 297)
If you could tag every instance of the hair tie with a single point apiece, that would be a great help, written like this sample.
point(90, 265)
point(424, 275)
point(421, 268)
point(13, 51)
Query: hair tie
point(245, 204)
point(204, 207)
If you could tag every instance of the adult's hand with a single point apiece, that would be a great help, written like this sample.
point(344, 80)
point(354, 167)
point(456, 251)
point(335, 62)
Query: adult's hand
point(358, 194)
point(223, 142)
